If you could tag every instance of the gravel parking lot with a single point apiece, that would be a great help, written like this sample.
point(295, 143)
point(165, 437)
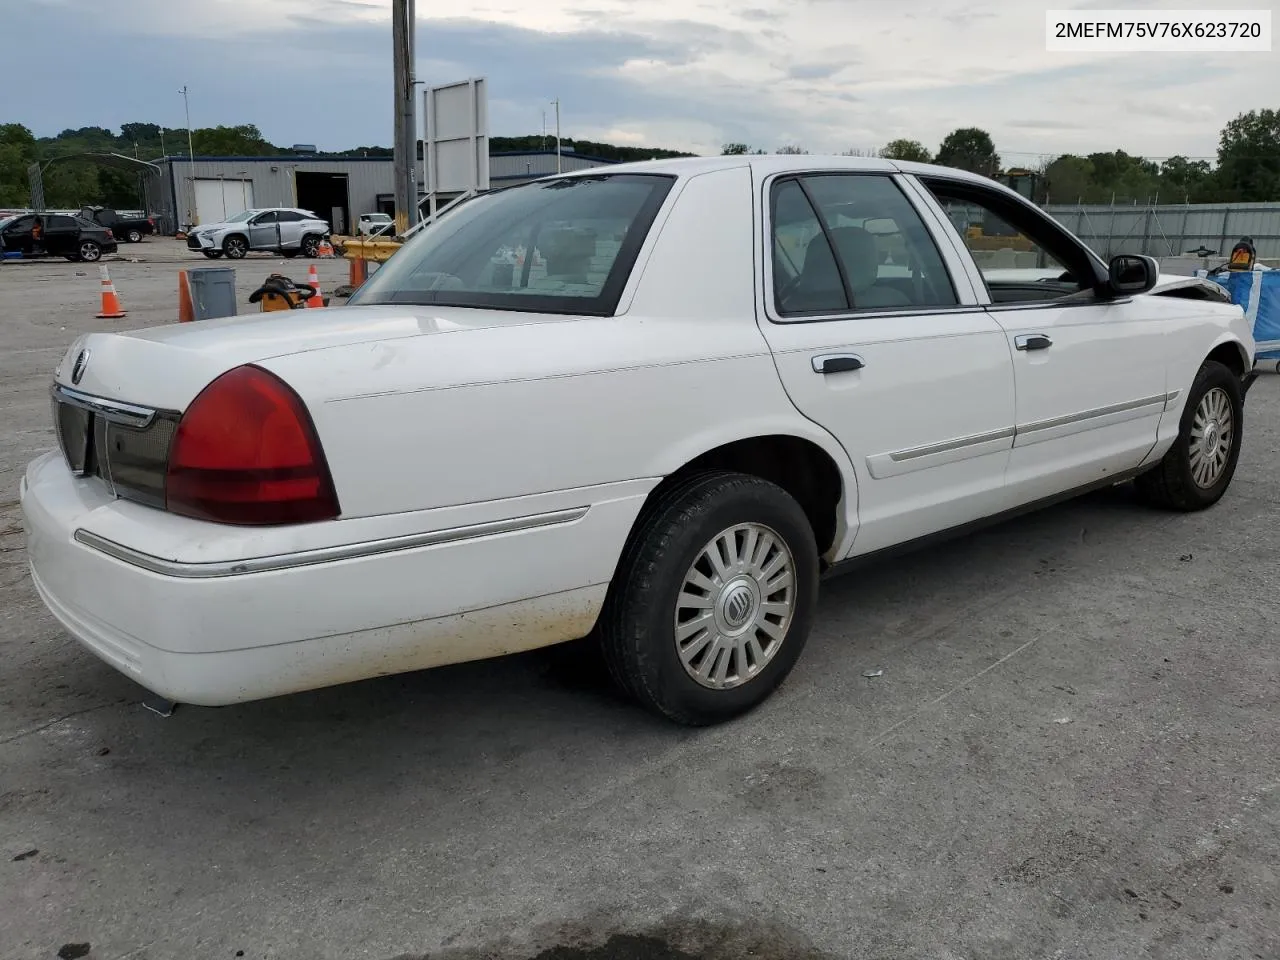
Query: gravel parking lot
point(1072, 752)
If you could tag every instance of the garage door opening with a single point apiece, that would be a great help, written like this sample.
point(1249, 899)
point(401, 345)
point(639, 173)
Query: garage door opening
point(325, 194)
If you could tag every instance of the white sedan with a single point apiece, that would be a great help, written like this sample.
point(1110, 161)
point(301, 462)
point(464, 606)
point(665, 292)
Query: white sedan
point(693, 388)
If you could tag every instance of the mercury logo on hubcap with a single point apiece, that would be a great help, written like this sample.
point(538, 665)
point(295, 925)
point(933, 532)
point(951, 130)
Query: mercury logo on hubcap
point(737, 605)
point(1211, 438)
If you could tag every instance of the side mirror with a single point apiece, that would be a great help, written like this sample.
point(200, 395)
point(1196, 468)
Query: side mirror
point(1131, 273)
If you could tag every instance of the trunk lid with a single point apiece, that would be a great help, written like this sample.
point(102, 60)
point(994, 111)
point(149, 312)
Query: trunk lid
point(117, 398)
point(165, 367)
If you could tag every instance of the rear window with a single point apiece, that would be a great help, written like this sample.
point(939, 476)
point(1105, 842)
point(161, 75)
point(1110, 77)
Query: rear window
point(557, 246)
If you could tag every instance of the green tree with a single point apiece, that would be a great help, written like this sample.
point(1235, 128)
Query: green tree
point(972, 149)
point(792, 150)
point(734, 150)
point(17, 150)
point(70, 184)
point(1124, 176)
point(1187, 180)
point(1249, 157)
point(903, 149)
point(241, 141)
point(1069, 179)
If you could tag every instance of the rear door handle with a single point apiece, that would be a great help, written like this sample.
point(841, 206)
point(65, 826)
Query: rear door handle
point(837, 363)
point(1032, 341)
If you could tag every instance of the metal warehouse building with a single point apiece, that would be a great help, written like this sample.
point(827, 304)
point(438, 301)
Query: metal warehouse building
point(186, 192)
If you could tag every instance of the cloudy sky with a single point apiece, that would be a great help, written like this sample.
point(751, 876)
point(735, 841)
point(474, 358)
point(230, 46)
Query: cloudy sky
point(687, 74)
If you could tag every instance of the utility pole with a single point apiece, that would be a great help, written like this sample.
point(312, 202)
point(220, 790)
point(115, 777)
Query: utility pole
point(556, 101)
point(403, 25)
point(191, 152)
point(186, 104)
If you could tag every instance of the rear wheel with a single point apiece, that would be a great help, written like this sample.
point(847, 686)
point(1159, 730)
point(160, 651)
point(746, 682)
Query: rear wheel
point(713, 598)
point(235, 247)
point(134, 236)
point(1198, 468)
point(89, 251)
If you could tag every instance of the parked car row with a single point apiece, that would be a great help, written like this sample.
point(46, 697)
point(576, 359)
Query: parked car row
point(56, 235)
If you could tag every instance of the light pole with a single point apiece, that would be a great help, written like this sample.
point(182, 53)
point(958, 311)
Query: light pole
point(186, 103)
point(191, 153)
point(556, 101)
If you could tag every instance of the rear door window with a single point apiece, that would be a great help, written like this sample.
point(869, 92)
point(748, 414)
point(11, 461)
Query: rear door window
point(852, 242)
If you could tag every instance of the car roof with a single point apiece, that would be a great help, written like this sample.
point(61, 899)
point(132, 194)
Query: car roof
point(769, 164)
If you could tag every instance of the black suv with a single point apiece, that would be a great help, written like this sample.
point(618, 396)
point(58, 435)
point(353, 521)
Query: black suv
point(56, 235)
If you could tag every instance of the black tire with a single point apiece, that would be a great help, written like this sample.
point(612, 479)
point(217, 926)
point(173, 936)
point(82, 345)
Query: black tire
point(1172, 483)
point(134, 236)
point(310, 246)
point(289, 254)
point(235, 247)
point(212, 254)
point(89, 252)
point(637, 628)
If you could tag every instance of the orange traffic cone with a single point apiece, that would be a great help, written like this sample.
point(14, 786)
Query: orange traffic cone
point(186, 311)
point(313, 278)
point(326, 250)
point(111, 309)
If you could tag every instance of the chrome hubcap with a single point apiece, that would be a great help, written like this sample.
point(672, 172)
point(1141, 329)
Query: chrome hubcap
point(735, 606)
point(1212, 433)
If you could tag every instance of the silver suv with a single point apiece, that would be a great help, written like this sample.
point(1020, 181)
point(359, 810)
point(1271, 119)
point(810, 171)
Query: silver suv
point(284, 230)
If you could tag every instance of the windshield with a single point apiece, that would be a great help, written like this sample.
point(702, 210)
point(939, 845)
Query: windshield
point(382, 217)
point(6, 221)
point(554, 246)
point(241, 217)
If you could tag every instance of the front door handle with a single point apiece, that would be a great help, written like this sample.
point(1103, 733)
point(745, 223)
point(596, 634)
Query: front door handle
point(837, 363)
point(1032, 341)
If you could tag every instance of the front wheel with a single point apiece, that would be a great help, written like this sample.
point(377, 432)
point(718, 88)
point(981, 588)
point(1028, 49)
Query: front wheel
point(235, 247)
point(1198, 468)
point(713, 598)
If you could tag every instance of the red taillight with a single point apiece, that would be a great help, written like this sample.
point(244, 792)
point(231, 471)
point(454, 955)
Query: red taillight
point(246, 452)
